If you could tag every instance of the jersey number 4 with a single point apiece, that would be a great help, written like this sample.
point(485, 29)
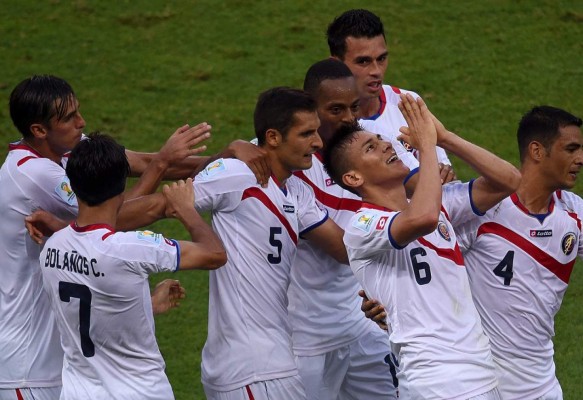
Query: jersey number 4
point(504, 268)
point(81, 292)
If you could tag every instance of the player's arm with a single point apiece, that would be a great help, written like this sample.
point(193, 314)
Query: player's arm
point(179, 146)
point(421, 215)
point(373, 310)
point(328, 237)
point(498, 177)
point(205, 251)
point(167, 295)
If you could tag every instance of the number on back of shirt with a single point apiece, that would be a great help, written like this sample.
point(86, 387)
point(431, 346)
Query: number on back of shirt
point(68, 290)
point(504, 268)
point(275, 257)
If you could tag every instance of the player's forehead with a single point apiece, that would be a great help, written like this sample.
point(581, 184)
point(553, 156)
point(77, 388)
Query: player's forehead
point(569, 135)
point(65, 105)
point(365, 47)
point(341, 90)
point(304, 121)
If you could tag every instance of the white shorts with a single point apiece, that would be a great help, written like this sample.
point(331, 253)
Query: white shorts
point(44, 393)
point(281, 389)
point(493, 394)
point(556, 393)
point(355, 371)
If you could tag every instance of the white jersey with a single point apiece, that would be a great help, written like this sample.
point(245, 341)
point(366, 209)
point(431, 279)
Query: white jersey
point(249, 335)
point(324, 306)
point(434, 327)
point(388, 121)
point(30, 354)
point(519, 267)
point(97, 281)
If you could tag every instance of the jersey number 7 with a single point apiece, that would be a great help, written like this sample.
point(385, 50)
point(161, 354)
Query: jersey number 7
point(81, 292)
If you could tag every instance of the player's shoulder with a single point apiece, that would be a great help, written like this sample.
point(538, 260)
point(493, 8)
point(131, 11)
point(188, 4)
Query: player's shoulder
point(123, 245)
point(366, 220)
point(225, 169)
point(569, 200)
point(392, 94)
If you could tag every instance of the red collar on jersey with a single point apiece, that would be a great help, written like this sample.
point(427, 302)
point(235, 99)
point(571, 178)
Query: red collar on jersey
point(383, 101)
point(23, 146)
point(375, 207)
point(281, 187)
point(516, 201)
point(90, 227)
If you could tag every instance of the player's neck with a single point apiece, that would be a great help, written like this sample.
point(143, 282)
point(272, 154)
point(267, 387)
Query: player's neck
point(104, 213)
point(534, 194)
point(394, 199)
point(278, 170)
point(369, 106)
point(42, 148)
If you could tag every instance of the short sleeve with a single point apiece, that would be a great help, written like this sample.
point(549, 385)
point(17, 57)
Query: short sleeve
point(368, 233)
point(458, 204)
point(310, 214)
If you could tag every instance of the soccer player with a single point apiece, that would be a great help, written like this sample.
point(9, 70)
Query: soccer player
point(248, 353)
point(357, 38)
point(340, 354)
point(405, 253)
point(520, 255)
point(97, 279)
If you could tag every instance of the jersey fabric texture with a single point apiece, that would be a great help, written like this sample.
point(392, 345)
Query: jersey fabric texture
point(30, 353)
point(97, 281)
point(519, 266)
point(434, 327)
point(388, 121)
point(249, 335)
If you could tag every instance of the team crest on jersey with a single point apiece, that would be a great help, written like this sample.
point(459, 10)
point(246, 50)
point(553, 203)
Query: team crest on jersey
point(364, 222)
point(288, 208)
point(149, 236)
point(214, 168)
point(443, 231)
point(568, 243)
point(541, 233)
point(169, 242)
point(65, 192)
point(330, 182)
point(407, 146)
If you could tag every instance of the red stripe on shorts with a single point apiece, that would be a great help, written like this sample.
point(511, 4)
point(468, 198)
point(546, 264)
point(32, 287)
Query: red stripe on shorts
point(249, 393)
point(19, 395)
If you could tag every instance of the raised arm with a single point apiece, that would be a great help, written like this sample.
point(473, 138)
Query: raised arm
point(205, 251)
point(498, 177)
point(421, 215)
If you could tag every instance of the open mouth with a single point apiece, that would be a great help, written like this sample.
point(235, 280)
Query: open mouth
point(392, 158)
point(375, 85)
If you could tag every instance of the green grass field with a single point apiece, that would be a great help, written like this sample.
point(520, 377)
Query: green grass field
point(142, 68)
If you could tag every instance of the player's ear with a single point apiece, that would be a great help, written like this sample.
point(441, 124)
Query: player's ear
point(536, 150)
point(352, 179)
point(39, 131)
point(272, 137)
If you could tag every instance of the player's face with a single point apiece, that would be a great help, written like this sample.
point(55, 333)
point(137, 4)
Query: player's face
point(64, 134)
point(376, 160)
point(565, 159)
point(301, 142)
point(338, 104)
point(367, 59)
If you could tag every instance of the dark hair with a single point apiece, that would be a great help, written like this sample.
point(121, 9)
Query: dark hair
point(542, 124)
point(276, 108)
point(356, 23)
point(37, 99)
point(324, 70)
point(97, 168)
point(335, 162)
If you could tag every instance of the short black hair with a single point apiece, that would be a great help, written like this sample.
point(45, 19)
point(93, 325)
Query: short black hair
point(329, 68)
point(335, 162)
point(542, 124)
point(276, 109)
point(356, 23)
point(37, 99)
point(97, 168)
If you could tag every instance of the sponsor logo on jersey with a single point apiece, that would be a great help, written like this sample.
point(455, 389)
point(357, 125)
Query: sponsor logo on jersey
point(364, 222)
point(288, 208)
point(543, 233)
point(214, 168)
point(169, 242)
point(65, 192)
point(568, 243)
point(382, 222)
point(443, 231)
point(330, 182)
point(149, 236)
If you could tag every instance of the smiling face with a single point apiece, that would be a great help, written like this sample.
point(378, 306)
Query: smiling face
point(338, 104)
point(562, 163)
point(295, 149)
point(373, 162)
point(367, 58)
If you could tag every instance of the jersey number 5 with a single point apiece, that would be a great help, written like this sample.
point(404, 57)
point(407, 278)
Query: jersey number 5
point(275, 258)
point(81, 292)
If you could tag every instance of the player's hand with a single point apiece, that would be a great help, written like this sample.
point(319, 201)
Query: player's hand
point(421, 129)
point(447, 173)
point(374, 311)
point(167, 295)
point(255, 158)
point(41, 224)
point(179, 197)
point(183, 141)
